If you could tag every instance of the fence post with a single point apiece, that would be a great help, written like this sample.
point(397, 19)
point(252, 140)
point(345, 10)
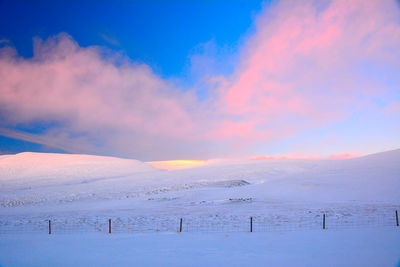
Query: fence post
point(397, 219)
point(49, 227)
point(251, 224)
point(180, 226)
point(109, 226)
point(323, 221)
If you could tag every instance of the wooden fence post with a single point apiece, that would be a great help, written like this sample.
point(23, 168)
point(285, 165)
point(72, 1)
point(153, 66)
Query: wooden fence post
point(251, 224)
point(323, 221)
point(180, 226)
point(49, 227)
point(397, 219)
point(109, 226)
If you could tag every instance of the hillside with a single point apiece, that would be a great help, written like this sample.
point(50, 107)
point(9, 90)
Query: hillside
point(33, 178)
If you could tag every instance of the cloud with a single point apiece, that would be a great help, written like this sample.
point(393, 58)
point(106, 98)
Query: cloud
point(307, 65)
point(125, 108)
point(51, 140)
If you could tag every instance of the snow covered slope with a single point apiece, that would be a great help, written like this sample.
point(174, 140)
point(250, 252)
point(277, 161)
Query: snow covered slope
point(28, 179)
point(28, 169)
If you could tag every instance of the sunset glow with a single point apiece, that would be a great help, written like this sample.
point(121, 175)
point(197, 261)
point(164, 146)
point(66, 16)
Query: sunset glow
point(171, 165)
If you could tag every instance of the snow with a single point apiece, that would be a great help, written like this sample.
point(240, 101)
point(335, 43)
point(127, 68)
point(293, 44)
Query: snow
point(316, 248)
point(286, 199)
point(49, 168)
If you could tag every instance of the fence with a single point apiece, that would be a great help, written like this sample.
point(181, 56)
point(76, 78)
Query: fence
point(209, 223)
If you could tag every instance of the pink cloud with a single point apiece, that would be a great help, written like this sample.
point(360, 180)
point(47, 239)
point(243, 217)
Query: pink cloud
point(303, 65)
point(89, 94)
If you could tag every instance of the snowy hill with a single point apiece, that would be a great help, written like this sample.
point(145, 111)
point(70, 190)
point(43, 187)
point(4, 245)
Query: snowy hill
point(28, 169)
point(57, 182)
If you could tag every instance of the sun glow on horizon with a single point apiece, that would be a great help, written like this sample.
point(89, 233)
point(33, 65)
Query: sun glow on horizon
point(171, 165)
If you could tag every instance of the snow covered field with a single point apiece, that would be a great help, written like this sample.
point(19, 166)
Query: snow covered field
point(315, 248)
point(286, 199)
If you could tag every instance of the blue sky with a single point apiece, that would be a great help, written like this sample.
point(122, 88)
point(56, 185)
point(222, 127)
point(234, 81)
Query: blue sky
point(157, 80)
point(161, 34)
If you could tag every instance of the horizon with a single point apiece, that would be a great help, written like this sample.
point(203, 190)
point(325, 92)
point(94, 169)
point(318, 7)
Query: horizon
point(178, 164)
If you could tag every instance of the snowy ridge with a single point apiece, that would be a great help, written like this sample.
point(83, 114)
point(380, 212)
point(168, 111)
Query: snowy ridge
point(35, 182)
point(50, 168)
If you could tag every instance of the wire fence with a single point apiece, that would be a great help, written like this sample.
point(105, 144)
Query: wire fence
point(204, 223)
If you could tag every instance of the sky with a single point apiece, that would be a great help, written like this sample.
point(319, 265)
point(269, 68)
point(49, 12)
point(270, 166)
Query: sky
point(167, 80)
